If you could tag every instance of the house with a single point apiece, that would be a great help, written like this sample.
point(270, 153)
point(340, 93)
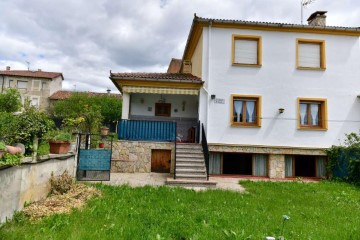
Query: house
point(271, 97)
point(36, 86)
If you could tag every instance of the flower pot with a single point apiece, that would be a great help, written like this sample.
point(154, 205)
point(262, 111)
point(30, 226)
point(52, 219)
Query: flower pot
point(101, 145)
point(59, 147)
point(104, 131)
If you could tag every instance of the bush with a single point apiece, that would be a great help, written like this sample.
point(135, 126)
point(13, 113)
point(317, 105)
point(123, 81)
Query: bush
point(10, 159)
point(61, 184)
point(10, 101)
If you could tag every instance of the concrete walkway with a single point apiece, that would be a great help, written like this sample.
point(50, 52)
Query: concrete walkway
point(158, 179)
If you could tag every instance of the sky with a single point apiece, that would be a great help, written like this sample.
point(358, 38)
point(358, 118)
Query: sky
point(85, 39)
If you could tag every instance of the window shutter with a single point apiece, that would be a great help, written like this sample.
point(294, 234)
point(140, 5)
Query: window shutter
point(246, 51)
point(309, 55)
point(36, 85)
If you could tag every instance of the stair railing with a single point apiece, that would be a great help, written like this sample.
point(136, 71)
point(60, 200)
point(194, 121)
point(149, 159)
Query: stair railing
point(205, 150)
point(175, 151)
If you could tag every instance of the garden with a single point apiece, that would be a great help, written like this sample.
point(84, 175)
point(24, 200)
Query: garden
point(324, 210)
point(34, 133)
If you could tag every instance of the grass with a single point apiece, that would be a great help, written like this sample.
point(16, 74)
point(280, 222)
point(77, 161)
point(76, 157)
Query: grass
point(325, 210)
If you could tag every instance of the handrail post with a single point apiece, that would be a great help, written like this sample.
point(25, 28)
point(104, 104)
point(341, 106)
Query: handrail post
point(175, 150)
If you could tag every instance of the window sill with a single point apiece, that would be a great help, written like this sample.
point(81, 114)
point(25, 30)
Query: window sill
point(244, 125)
point(246, 65)
point(311, 68)
point(313, 128)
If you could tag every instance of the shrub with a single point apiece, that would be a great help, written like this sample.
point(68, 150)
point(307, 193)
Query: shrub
point(61, 184)
point(10, 101)
point(10, 159)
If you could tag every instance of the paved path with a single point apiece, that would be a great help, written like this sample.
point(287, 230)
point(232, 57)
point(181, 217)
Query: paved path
point(158, 179)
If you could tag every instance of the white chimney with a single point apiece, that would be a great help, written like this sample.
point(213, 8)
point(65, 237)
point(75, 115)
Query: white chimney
point(8, 68)
point(318, 18)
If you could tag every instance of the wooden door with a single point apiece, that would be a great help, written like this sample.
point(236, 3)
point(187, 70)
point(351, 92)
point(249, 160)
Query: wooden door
point(160, 161)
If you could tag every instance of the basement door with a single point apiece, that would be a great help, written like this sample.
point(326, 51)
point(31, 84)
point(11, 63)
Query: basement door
point(160, 161)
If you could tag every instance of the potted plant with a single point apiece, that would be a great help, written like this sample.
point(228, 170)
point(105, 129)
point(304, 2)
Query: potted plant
point(104, 130)
point(60, 143)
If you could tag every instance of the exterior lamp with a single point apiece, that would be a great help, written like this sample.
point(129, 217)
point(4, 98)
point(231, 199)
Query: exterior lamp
point(213, 96)
point(281, 110)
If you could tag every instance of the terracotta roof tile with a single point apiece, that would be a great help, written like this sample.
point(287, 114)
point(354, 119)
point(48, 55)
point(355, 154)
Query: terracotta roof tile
point(158, 76)
point(35, 74)
point(66, 94)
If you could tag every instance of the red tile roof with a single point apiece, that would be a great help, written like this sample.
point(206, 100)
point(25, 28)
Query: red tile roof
point(66, 94)
point(157, 76)
point(35, 74)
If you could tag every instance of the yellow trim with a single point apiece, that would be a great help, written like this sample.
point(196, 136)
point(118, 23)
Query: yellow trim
point(259, 49)
point(198, 26)
point(257, 124)
point(323, 113)
point(322, 53)
point(156, 90)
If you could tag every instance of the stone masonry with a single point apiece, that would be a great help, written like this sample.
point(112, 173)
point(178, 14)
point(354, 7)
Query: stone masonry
point(135, 156)
point(276, 166)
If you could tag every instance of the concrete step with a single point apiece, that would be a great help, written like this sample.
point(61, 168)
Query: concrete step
point(190, 166)
point(190, 183)
point(198, 172)
point(189, 155)
point(191, 146)
point(190, 161)
point(188, 150)
point(201, 177)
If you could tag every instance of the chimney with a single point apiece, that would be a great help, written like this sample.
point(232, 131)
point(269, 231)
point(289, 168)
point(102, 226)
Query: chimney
point(39, 70)
point(8, 68)
point(186, 66)
point(108, 90)
point(318, 19)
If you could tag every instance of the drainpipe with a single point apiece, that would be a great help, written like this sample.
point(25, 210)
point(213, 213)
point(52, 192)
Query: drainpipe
point(208, 78)
point(2, 85)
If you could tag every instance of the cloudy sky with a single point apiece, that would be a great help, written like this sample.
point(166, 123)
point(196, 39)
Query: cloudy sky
point(84, 39)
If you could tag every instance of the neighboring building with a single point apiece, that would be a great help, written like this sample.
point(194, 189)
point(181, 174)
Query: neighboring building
point(37, 86)
point(272, 96)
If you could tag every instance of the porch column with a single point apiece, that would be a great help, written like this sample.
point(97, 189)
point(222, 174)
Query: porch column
point(125, 105)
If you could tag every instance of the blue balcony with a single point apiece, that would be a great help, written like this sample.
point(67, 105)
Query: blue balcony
point(144, 130)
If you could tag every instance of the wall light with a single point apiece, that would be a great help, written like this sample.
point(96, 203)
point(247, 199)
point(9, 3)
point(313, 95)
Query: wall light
point(213, 96)
point(281, 110)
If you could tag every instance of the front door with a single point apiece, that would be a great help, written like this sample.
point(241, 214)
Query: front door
point(160, 161)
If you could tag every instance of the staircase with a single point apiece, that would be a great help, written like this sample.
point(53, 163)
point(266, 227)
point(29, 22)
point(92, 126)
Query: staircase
point(190, 167)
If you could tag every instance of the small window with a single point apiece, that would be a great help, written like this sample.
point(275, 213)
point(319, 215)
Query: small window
point(43, 85)
point(246, 50)
point(36, 85)
point(11, 83)
point(35, 101)
point(246, 111)
point(22, 84)
point(310, 54)
point(163, 109)
point(312, 114)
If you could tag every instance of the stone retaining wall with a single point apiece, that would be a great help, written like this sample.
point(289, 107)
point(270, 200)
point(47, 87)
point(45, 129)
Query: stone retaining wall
point(135, 156)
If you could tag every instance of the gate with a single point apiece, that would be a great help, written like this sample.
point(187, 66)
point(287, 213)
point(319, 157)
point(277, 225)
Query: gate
point(94, 157)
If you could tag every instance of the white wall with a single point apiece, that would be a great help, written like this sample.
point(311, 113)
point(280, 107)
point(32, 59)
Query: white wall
point(280, 84)
point(141, 109)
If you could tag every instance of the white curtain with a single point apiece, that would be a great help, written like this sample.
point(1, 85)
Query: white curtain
point(260, 165)
point(314, 109)
point(309, 55)
point(321, 169)
point(288, 166)
point(238, 109)
point(214, 163)
point(303, 114)
point(250, 111)
point(245, 51)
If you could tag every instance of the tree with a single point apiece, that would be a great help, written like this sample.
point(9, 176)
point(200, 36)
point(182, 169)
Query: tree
point(10, 101)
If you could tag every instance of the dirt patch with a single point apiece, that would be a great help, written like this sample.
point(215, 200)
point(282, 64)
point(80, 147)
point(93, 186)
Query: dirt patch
point(76, 197)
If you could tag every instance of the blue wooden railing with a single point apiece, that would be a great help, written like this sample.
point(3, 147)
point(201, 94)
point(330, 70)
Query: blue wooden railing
point(146, 130)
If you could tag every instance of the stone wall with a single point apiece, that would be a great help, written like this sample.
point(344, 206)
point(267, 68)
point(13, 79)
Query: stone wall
point(30, 181)
point(135, 156)
point(276, 166)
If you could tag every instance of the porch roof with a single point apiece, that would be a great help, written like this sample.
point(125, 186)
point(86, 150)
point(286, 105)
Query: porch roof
point(158, 82)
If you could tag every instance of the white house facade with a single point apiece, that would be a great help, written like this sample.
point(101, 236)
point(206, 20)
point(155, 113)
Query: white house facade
point(274, 96)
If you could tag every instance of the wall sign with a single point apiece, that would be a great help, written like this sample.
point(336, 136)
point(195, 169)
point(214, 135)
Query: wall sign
point(220, 100)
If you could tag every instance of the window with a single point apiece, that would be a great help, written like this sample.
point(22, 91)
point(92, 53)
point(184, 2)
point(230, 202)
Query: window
point(22, 84)
point(35, 102)
point(312, 114)
point(246, 50)
point(245, 110)
point(11, 83)
point(163, 109)
point(310, 54)
point(36, 85)
point(43, 85)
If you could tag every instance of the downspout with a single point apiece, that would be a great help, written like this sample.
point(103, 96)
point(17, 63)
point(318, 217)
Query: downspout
point(208, 78)
point(2, 85)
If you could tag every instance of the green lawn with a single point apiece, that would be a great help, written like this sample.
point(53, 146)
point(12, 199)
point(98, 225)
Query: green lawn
point(325, 210)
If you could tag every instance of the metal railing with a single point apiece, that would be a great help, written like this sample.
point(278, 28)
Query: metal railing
point(205, 150)
point(146, 130)
point(175, 152)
